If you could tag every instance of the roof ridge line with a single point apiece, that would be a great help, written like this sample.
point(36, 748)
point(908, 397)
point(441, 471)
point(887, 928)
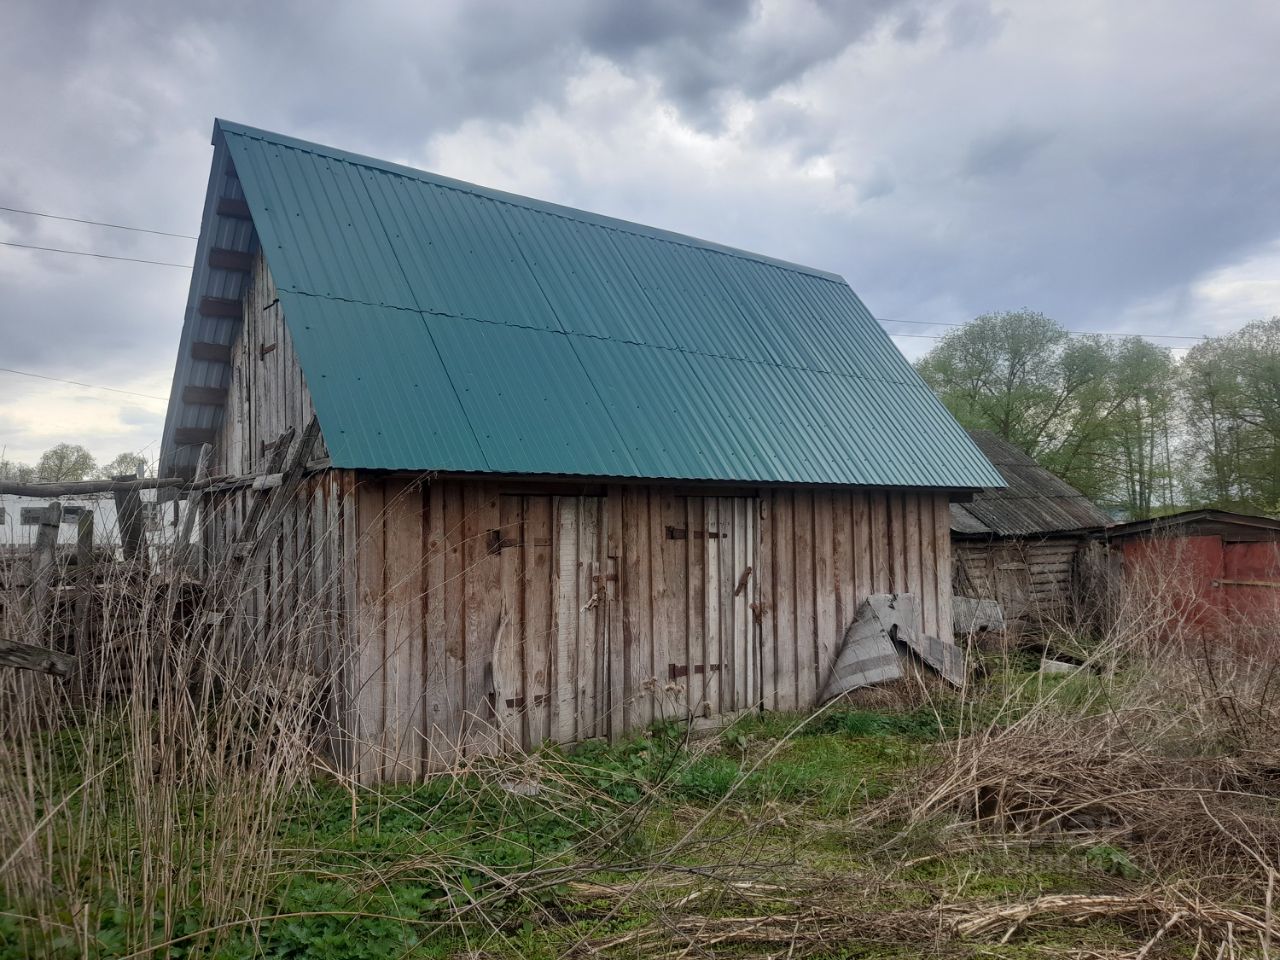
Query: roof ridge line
point(562, 211)
point(595, 336)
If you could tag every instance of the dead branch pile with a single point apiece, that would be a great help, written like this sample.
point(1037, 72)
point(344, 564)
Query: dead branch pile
point(1216, 815)
point(1161, 911)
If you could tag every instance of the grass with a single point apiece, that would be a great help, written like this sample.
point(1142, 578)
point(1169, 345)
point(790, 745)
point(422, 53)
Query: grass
point(1130, 808)
point(381, 873)
point(461, 864)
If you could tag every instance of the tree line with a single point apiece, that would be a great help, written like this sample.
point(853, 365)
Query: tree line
point(1132, 426)
point(68, 461)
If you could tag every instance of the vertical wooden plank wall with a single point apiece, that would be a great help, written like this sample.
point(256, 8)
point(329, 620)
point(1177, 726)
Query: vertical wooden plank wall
point(296, 598)
point(821, 555)
point(1032, 579)
point(490, 615)
point(268, 392)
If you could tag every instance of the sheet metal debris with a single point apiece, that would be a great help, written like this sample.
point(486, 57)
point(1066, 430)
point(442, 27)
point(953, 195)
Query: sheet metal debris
point(880, 643)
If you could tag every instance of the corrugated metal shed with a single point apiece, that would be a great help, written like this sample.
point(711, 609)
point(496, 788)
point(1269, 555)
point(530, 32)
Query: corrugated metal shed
point(1034, 501)
point(445, 326)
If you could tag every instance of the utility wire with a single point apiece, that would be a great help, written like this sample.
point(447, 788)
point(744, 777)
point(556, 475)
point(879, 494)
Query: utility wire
point(1079, 333)
point(99, 223)
point(183, 266)
point(81, 383)
point(90, 253)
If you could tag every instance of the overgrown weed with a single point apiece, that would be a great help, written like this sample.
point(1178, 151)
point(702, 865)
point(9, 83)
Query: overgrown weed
point(195, 813)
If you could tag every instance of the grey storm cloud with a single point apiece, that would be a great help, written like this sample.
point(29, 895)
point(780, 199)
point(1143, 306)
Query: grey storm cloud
point(948, 157)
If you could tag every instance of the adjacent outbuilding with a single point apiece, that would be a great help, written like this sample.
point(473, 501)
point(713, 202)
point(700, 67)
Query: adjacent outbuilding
point(1023, 544)
point(574, 474)
point(1215, 570)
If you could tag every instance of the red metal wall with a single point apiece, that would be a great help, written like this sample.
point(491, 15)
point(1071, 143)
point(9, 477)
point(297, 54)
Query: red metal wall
point(1218, 585)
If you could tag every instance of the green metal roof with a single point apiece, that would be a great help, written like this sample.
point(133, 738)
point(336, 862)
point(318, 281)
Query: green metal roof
point(445, 326)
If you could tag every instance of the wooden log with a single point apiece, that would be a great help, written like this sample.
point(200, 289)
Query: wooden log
point(210, 396)
point(211, 352)
point(28, 656)
point(238, 261)
point(43, 560)
point(84, 574)
point(235, 209)
point(220, 307)
point(182, 549)
point(133, 532)
point(190, 436)
point(74, 488)
point(215, 484)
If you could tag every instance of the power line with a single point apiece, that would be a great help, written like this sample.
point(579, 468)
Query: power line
point(1079, 333)
point(99, 223)
point(81, 383)
point(90, 253)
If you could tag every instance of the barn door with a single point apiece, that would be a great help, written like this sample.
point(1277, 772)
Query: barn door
point(521, 654)
point(550, 661)
point(559, 661)
point(713, 647)
point(580, 708)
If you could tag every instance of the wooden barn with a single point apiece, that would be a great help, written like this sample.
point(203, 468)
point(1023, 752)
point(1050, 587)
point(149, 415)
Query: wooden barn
point(1022, 545)
point(574, 474)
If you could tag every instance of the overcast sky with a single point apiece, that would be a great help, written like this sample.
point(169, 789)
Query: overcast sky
point(1115, 165)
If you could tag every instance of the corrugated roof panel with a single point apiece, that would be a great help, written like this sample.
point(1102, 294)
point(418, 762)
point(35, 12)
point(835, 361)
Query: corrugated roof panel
point(1035, 502)
point(380, 389)
point(317, 226)
point(442, 325)
point(525, 419)
point(767, 315)
point(585, 279)
point(694, 309)
point(665, 413)
point(444, 239)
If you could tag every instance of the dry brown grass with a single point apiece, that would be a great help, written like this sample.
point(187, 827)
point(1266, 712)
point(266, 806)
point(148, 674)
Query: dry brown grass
point(169, 799)
point(158, 776)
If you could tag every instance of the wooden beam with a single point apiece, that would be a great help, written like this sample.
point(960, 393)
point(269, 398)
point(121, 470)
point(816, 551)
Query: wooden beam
point(184, 436)
point(220, 307)
point(212, 352)
point(83, 578)
point(44, 561)
point(74, 488)
point(223, 259)
point(183, 549)
point(133, 530)
point(27, 656)
point(214, 396)
point(236, 209)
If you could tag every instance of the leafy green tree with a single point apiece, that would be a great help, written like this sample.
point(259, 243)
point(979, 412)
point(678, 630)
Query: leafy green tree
point(1020, 375)
point(17, 472)
point(66, 461)
point(1231, 397)
point(1096, 412)
point(1136, 431)
point(124, 463)
point(992, 374)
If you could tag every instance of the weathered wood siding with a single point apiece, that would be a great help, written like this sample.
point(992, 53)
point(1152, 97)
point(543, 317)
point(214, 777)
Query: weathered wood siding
point(295, 593)
point(1033, 580)
point(492, 612)
point(268, 392)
